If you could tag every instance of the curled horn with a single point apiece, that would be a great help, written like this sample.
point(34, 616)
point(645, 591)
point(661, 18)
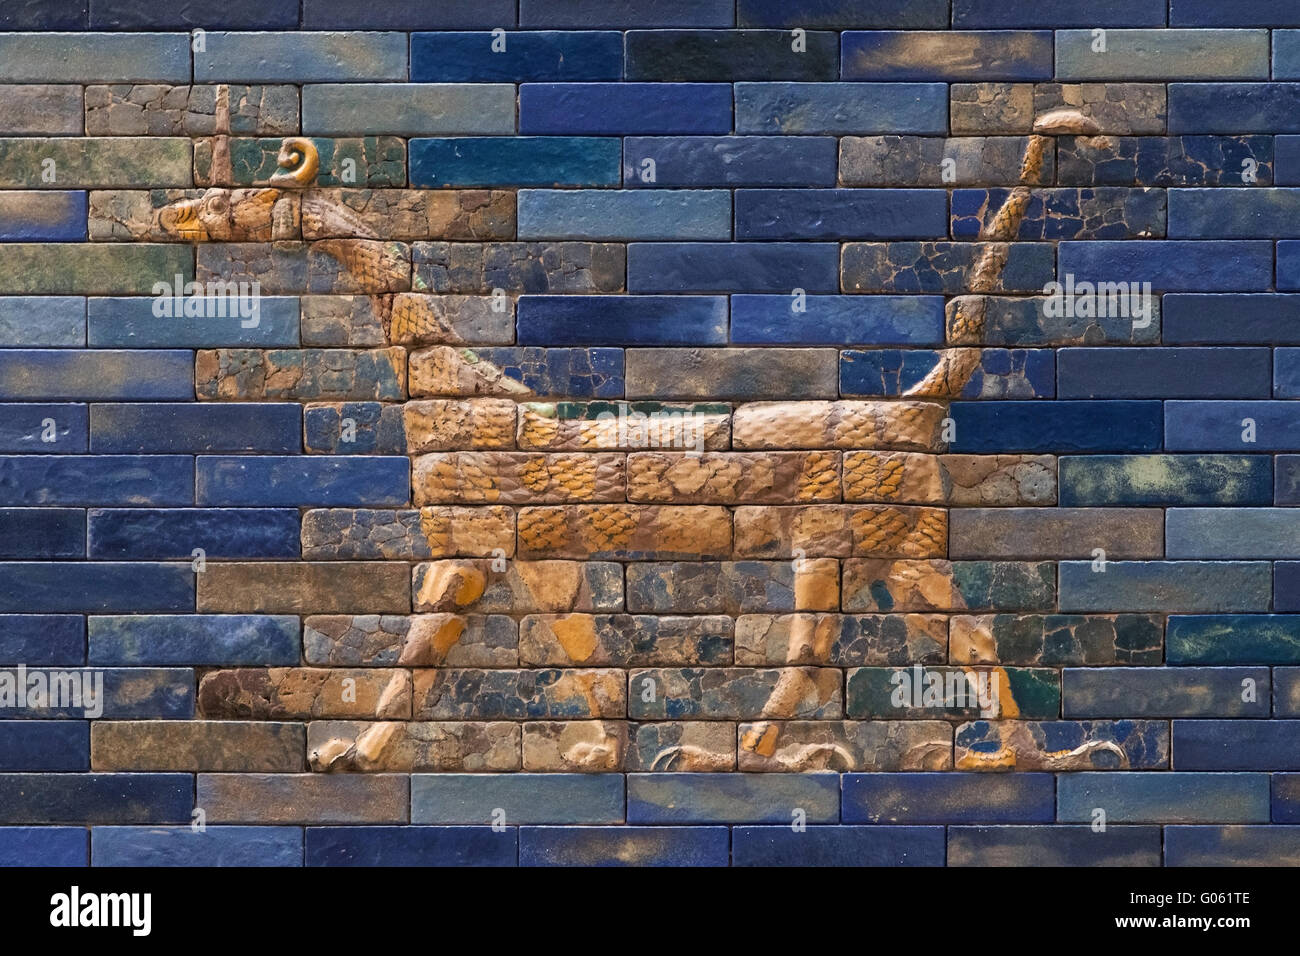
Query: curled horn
point(298, 161)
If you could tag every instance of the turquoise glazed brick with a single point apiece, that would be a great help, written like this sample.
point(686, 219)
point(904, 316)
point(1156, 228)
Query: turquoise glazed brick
point(515, 799)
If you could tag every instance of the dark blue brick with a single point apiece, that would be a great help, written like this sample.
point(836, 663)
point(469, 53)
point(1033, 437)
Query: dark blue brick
point(730, 160)
point(43, 846)
point(301, 480)
point(841, 213)
point(542, 56)
point(89, 798)
point(43, 744)
point(838, 846)
point(1287, 486)
point(1286, 54)
point(142, 533)
point(76, 375)
point(215, 640)
point(1211, 587)
point(1286, 586)
point(1163, 797)
point(1057, 14)
point(411, 846)
point(49, 216)
point(228, 15)
point(837, 320)
point(516, 161)
point(732, 797)
point(1287, 160)
point(622, 320)
point(1233, 213)
point(1232, 845)
point(1218, 426)
point(956, 56)
point(23, 428)
point(1233, 639)
point(1165, 480)
point(682, 56)
point(1056, 426)
point(42, 533)
point(842, 14)
point(42, 639)
point(407, 15)
point(624, 846)
point(1164, 160)
point(1002, 373)
point(571, 373)
point(96, 480)
point(1234, 108)
point(1288, 265)
point(1286, 797)
point(161, 428)
point(733, 267)
point(842, 108)
point(379, 429)
point(624, 108)
point(619, 14)
point(948, 798)
point(1286, 373)
point(130, 323)
point(45, 15)
point(1233, 13)
point(1163, 373)
point(79, 586)
point(1207, 319)
point(185, 846)
point(137, 693)
point(1053, 846)
point(1236, 744)
point(1241, 266)
point(1129, 692)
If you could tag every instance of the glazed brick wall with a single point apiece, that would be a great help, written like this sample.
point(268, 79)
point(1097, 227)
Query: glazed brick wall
point(412, 566)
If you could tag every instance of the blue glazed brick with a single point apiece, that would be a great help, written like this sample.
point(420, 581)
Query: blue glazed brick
point(1163, 373)
point(1236, 744)
point(1163, 55)
point(1261, 319)
point(1233, 214)
point(229, 15)
point(948, 798)
point(142, 534)
point(185, 846)
point(1232, 846)
point(43, 846)
point(1232, 533)
point(842, 14)
point(1055, 14)
point(411, 846)
point(45, 15)
point(1286, 798)
point(1165, 480)
point(118, 693)
point(540, 56)
point(106, 587)
point(215, 640)
point(1210, 587)
point(379, 429)
point(624, 846)
point(679, 56)
point(41, 639)
point(1053, 846)
point(76, 375)
point(130, 323)
point(1106, 212)
point(48, 216)
point(842, 108)
point(43, 744)
point(1286, 692)
point(837, 320)
point(26, 428)
point(1233, 639)
point(624, 108)
point(729, 161)
point(572, 373)
point(1161, 692)
point(1286, 54)
point(733, 266)
point(524, 798)
point(408, 109)
point(42, 321)
point(1286, 586)
point(301, 57)
point(1234, 108)
point(96, 798)
point(300, 480)
point(162, 428)
point(1165, 161)
point(407, 15)
point(622, 320)
point(841, 213)
point(732, 797)
point(95, 58)
point(1163, 797)
point(618, 14)
point(1227, 426)
point(624, 214)
point(1233, 13)
point(516, 161)
point(1002, 373)
point(1287, 159)
point(1056, 426)
point(1287, 486)
point(42, 533)
point(96, 479)
point(942, 267)
point(838, 846)
point(1188, 266)
point(956, 56)
point(1286, 373)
